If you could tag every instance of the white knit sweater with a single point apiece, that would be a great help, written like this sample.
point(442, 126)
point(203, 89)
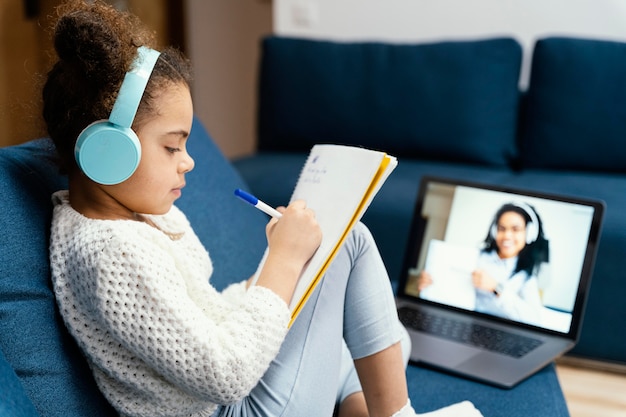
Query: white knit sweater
point(160, 340)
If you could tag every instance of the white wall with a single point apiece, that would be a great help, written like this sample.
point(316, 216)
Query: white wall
point(431, 20)
point(223, 43)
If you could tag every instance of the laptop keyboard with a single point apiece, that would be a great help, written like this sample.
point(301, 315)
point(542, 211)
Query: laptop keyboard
point(499, 341)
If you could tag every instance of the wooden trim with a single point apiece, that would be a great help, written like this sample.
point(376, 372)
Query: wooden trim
point(599, 365)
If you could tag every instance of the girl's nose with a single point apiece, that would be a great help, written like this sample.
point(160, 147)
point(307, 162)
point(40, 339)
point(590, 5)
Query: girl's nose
point(187, 163)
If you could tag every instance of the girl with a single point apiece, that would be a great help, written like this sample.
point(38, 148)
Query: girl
point(132, 279)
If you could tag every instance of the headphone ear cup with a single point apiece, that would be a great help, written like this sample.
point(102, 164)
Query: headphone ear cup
point(532, 232)
point(107, 153)
point(493, 231)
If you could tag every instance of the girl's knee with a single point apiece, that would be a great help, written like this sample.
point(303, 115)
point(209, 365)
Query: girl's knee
point(360, 239)
point(405, 342)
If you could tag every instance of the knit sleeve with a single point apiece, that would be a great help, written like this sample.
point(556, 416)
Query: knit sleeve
point(235, 292)
point(200, 341)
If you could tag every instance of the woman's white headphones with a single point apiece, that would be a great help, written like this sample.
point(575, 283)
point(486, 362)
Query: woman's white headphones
point(532, 227)
point(108, 151)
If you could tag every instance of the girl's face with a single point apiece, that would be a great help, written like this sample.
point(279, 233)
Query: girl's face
point(511, 234)
point(160, 176)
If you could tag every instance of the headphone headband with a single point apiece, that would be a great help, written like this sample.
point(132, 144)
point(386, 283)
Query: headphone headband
point(133, 86)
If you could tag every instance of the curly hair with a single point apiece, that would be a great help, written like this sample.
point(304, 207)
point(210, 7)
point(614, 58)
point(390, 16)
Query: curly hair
point(96, 45)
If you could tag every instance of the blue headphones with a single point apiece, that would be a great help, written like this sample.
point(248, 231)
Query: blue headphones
point(109, 151)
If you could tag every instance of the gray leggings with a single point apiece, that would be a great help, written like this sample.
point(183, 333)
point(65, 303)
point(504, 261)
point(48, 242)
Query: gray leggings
point(351, 314)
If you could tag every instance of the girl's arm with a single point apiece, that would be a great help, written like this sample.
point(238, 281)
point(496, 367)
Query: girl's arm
point(523, 304)
point(181, 327)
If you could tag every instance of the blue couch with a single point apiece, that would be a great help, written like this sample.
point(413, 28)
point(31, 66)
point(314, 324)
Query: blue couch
point(455, 109)
point(42, 372)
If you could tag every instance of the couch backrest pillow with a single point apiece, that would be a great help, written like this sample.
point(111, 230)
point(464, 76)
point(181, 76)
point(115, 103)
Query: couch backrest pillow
point(32, 336)
point(447, 100)
point(575, 108)
point(232, 231)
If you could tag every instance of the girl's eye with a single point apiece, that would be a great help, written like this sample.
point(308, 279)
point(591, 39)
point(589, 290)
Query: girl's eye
point(172, 150)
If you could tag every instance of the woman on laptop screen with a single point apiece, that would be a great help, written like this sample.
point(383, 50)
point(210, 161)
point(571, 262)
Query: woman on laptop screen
point(505, 278)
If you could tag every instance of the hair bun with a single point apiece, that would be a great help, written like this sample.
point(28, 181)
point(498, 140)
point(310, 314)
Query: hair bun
point(87, 42)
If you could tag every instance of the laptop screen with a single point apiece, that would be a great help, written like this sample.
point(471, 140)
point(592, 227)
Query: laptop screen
point(519, 256)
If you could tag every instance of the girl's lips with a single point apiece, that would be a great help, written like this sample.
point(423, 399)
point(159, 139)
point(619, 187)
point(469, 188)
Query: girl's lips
point(178, 191)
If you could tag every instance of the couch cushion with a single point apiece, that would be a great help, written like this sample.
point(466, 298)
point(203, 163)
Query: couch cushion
point(539, 395)
point(449, 100)
point(575, 110)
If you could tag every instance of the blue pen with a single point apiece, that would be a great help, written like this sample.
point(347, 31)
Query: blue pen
point(249, 198)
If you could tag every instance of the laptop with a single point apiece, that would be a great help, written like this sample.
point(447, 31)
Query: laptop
point(474, 306)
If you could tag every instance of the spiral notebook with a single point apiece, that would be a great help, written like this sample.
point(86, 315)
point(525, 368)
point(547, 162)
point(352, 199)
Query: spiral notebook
point(338, 182)
point(503, 334)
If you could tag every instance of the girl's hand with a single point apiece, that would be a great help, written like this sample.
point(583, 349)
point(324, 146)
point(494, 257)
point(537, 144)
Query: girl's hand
point(483, 281)
point(292, 241)
point(296, 235)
